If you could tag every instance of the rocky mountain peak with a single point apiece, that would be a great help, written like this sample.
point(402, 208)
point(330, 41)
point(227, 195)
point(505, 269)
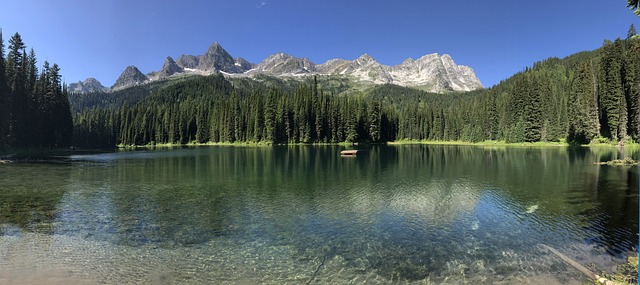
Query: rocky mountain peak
point(430, 72)
point(279, 56)
point(87, 86)
point(244, 64)
point(169, 67)
point(215, 48)
point(217, 59)
point(131, 76)
point(169, 61)
point(284, 64)
point(436, 73)
point(187, 61)
point(365, 59)
point(408, 61)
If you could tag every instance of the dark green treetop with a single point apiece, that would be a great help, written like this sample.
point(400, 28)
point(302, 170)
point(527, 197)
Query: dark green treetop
point(633, 4)
point(632, 32)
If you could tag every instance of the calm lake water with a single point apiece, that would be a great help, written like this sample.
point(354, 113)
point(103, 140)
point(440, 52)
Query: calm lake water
point(303, 214)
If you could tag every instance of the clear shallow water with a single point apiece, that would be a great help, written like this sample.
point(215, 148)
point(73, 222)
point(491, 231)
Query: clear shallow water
point(439, 214)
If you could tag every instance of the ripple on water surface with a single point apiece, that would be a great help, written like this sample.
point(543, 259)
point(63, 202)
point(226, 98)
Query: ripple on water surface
point(294, 215)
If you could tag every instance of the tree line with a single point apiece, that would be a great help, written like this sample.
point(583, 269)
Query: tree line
point(584, 97)
point(210, 109)
point(34, 105)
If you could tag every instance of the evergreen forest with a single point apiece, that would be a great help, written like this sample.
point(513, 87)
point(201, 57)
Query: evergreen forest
point(586, 97)
point(34, 105)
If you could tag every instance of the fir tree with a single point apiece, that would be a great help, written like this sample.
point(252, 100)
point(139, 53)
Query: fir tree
point(532, 111)
point(634, 4)
point(4, 110)
point(17, 101)
point(612, 92)
point(582, 106)
point(632, 32)
point(375, 118)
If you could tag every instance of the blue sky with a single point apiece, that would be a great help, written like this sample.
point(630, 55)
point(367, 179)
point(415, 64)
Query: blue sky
point(496, 38)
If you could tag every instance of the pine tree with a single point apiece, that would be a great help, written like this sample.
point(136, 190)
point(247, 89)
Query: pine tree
point(351, 123)
point(632, 32)
point(66, 119)
point(270, 116)
point(582, 106)
point(632, 87)
point(18, 103)
point(3, 96)
point(612, 101)
point(375, 126)
point(532, 110)
point(634, 4)
point(32, 71)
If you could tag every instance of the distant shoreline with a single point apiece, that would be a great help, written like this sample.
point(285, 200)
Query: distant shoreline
point(46, 154)
point(399, 142)
point(518, 144)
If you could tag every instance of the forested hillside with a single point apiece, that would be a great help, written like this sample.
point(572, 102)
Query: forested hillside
point(586, 96)
point(34, 107)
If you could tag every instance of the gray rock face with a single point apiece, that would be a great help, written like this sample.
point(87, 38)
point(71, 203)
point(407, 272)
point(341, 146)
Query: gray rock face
point(431, 72)
point(87, 86)
point(281, 64)
point(187, 61)
point(217, 59)
point(244, 64)
point(439, 73)
point(131, 76)
point(168, 68)
point(364, 68)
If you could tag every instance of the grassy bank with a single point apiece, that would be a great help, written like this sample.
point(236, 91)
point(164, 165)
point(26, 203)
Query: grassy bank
point(178, 145)
point(628, 144)
point(492, 143)
point(238, 144)
point(482, 143)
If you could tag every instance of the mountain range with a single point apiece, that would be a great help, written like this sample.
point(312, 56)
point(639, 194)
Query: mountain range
point(432, 72)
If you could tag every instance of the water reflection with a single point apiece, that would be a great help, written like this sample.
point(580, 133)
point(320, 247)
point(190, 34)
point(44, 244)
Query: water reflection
point(401, 212)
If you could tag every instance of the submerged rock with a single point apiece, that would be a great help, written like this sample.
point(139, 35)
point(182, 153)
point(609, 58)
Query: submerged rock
point(532, 209)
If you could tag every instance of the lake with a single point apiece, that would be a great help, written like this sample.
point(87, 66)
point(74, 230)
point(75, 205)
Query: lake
point(304, 214)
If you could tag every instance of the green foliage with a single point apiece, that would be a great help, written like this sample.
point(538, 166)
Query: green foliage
point(34, 106)
point(626, 273)
point(587, 96)
point(632, 32)
point(633, 4)
point(210, 109)
point(583, 113)
point(3, 97)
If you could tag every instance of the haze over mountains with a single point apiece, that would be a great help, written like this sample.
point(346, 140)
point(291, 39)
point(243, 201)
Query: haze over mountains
point(432, 72)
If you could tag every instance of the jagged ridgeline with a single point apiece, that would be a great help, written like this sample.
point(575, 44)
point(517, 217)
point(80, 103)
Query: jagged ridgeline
point(432, 72)
point(586, 96)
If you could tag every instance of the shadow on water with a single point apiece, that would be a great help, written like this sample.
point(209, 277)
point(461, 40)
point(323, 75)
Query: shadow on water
point(30, 197)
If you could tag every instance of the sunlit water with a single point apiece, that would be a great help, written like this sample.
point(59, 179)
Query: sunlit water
point(297, 215)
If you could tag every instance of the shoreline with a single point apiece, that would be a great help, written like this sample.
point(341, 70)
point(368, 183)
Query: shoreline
point(46, 154)
point(491, 143)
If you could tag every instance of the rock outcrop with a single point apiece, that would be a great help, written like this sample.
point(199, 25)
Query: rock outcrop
point(281, 64)
point(131, 76)
point(89, 85)
point(168, 68)
point(432, 72)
